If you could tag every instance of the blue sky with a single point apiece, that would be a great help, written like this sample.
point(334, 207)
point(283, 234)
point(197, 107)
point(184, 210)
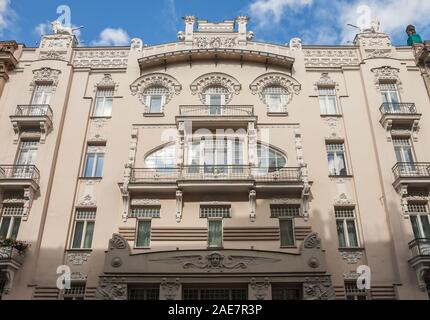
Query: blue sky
point(115, 22)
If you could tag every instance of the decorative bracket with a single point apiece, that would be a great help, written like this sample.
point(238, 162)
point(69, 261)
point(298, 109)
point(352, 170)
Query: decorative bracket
point(252, 204)
point(179, 205)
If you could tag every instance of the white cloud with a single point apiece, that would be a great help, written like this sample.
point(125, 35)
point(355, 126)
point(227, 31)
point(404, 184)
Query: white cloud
point(112, 37)
point(6, 15)
point(42, 29)
point(267, 12)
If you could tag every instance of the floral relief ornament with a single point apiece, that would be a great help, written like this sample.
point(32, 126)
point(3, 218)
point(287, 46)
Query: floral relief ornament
point(387, 73)
point(215, 79)
point(45, 75)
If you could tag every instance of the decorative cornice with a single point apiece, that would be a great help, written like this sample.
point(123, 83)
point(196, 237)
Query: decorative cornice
point(106, 82)
point(45, 75)
point(326, 81)
point(215, 79)
point(387, 73)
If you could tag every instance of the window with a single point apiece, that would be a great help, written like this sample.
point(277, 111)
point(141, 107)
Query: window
point(216, 97)
point(328, 101)
point(390, 96)
point(215, 212)
point(10, 221)
point(163, 159)
point(275, 97)
point(215, 235)
point(148, 294)
point(42, 94)
point(145, 212)
point(283, 293)
point(420, 220)
point(104, 101)
point(84, 229)
point(403, 150)
point(286, 215)
point(353, 293)
point(270, 159)
point(27, 153)
point(336, 159)
point(227, 294)
point(76, 292)
point(346, 228)
point(143, 234)
point(94, 161)
point(155, 98)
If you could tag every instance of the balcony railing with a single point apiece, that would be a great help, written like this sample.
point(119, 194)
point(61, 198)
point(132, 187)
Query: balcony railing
point(10, 253)
point(420, 247)
point(411, 170)
point(40, 110)
point(216, 111)
point(19, 172)
point(390, 108)
point(221, 172)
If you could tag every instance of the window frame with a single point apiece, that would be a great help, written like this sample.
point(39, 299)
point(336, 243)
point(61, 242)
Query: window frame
point(33, 146)
point(292, 220)
point(211, 220)
point(419, 223)
point(148, 96)
point(106, 98)
point(336, 156)
point(387, 92)
point(84, 229)
point(97, 156)
point(345, 221)
point(13, 220)
point(283, 98)
point(45, 95)
point(138, 221)
point(326, 99)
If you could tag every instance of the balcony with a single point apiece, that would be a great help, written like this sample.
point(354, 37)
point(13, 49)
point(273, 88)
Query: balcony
point(199, 178)
point(411, 174)
point(11, 261)
point(208, 115)
point(19, 176)
point(399, 114)
point(420, 261)
point(32, 116)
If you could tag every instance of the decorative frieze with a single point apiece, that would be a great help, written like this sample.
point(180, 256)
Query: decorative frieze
point(206, 42)
point(111, 289)
point(170, 290)
point(215, 79)
point(325, 81)
point(318, 289)
point(330, 58)
point(57, 42)
point(101, 59)
point(78, 258)
point(351, 257)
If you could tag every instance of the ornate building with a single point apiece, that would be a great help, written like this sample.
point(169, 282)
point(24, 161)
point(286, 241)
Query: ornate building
point(214, 167)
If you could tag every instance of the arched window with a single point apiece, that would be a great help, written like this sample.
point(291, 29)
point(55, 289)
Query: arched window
point(164, 158)
point(276, 98)
point(155, 98)
point(270, 159)
point(216, 97)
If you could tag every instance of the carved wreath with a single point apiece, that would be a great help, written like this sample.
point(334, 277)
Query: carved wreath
point(166, 81)
point(291, 85)
point(387, 73)
point(45, 75)
point(215, 79)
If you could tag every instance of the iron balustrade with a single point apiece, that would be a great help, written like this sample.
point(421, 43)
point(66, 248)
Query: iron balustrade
point(10, 253)
point(396, 108)
point(215, 172)
point(35, 110)
point(411, 170)
point(420, 247)
point(19, 172)
point(214, 111)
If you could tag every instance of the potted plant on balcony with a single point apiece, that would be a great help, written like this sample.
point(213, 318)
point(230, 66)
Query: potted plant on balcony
point(19, 246)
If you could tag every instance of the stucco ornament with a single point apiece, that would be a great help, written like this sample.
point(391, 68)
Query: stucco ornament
point(106, 82)
point(166, 81)
point(136, 44)
point(387, 73)
point(351, 257)
point(111, 290)
point(117, 242)
point(325, 81)
point(260, 289)
point(295, 44)
point(318, 289)
point(169, 289)
point(276, 79)
point(373, 27)
point(213, 80)
point(78, 258)
point(58, 28)
point(312, 241)
point(45, 76)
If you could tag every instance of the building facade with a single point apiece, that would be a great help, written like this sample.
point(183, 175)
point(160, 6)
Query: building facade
point(215, 167)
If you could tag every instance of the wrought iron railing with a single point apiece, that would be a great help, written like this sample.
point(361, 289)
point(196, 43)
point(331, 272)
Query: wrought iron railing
point(393, 108)
point(38, 110)
point(411, 170)
point(10, 253)
point(420, 247)
point(19, 172)
point(216, 111)
point(218, 172)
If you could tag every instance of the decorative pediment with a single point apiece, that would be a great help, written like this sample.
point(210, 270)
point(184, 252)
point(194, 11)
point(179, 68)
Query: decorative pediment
point(106, 82)
point(387, 74)
point(215, 79)
point(43, 76)
point(139, 86)
point(291, 85)
point(326, 82)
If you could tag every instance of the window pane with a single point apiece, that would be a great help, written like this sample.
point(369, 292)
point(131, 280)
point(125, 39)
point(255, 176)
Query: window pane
point(287, 232)
point(215, 233)
point(331, 105)
point(99, 165)
point(323, 105)
point(89, 235)
point(415, 227)
point(352, 233)
point(4, 228)
point(89, 165)
point(341, 167)
point(275, 102)
point(143, 234)
point(341, 234)
point(331, 164)
point(156, 102)
point(426, 226)
point(15, 228)
point(77, 238)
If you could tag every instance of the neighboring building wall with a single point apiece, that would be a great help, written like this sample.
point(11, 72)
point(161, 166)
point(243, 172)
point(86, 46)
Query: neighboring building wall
point(251, 257)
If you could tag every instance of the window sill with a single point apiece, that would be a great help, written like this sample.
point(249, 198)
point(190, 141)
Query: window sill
point(142, 248)
point(153, 115)
point(79, 250)
point(215, 248)
point(91, 178)
point(100, 117)
point(354, 249)
point(289, 247)
point(336, 115)
point(277, 114)
point(341, 176)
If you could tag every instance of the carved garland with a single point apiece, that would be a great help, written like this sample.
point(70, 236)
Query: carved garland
point(387, 73)
point(139, 86)
point(215, 79)
point(291, 85)
point(45, 75)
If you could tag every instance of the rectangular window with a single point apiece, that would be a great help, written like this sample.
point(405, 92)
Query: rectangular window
point(94, 161)
point(336, 159)
point(215, 236)
point(328, 101)
point(42, 94)
point(10, 221)
point(84, 229)
point(215, 211)
point(421, 225)
point(148, 294)
point(390, 96)
point(283, 292)
point(145, 212)
point(217, 293)
point(287, 232)
point(353, 293)
point(76, 292)
point(104, 102)
point(403, 150)
point(346, 228)
point(27, 153)
point(143, 234)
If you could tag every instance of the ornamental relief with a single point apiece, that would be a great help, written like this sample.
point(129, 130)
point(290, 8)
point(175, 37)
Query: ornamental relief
point(166, 81)
point(215, 42)
point(330, 58)
point(45, 75)
point(215, 79)
point(106, 82)
point(101, 59)
point(387, 73)
point(326, 81)
point(291, 85)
